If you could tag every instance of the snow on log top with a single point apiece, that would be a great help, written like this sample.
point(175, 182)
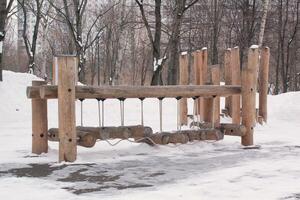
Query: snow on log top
point(254, 47)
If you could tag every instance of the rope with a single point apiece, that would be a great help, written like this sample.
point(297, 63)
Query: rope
point(213, 113)
point(142, 110)
point(178, 113)
point(103, 112)
point(81, 111)
point(99, 112)
point(122, 110)
point(160, 113)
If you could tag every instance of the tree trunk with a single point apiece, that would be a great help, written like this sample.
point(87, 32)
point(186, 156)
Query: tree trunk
point(3, 15)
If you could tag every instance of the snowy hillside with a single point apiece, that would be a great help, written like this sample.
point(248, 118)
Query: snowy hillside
point(199, 170)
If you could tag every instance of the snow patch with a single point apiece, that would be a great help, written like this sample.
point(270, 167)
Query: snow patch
point(254, 47)
point(184, 53)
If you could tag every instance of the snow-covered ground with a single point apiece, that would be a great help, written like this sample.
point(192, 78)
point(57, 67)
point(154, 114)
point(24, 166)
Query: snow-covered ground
point(199, 170)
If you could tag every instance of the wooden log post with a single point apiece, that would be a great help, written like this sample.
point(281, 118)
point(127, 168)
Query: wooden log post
point(203, 80)
point(235, 80)
point(227, 77)
point(249, 82)
point(66, 108)
point(207, 108)
point(197, 73)
point(215, 78)
point(183, 80)
point(263, 83)
point(39, 123)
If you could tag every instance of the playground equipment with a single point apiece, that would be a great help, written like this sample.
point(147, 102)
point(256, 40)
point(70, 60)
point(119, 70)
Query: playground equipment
point(205, 92)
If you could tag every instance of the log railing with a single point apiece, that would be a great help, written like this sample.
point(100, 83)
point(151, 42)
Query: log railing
point(111, 92)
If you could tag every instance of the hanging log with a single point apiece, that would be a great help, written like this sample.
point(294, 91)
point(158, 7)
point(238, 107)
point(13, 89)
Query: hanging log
point(227, 129)
point(182, 137)
point(87, 136)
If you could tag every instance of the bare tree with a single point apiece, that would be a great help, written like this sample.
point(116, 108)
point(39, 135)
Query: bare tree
point(263, 22)
point(33, 8)
point(72, 13)
point(5, 8)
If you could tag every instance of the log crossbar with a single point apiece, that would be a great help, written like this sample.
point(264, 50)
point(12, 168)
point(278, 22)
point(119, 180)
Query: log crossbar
point(109, 92)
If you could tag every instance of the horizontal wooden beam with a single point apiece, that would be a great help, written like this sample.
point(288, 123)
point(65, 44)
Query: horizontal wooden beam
point(108, 92)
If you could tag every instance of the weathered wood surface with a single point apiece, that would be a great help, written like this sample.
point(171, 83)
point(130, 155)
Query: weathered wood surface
point(66, 108)
point(215, 78)
point(183, 136)
point(39, 123)
point(235, 80)
point(198, 63)
point(106, 92)
point(183, 80)
point(203, 80)
point(249, 82)
point(227, 77)
point(263, 84)
point(84, 134)
point(226, 128)
point(87, 136)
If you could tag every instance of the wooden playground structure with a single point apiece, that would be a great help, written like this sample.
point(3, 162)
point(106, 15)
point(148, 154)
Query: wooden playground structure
point(240, 104)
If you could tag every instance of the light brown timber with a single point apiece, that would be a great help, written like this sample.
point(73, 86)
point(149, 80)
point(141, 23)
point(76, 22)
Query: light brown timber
point(249, 82)
point(107, 92)
point(183, 80)
point(226, 128)
point(227, 75)
point(87, 136)
point(66, 108)
point(215, 78)
point(203, 79)
point(235, 80)
point(197, 73)
point(39, 123)
point(263, 83)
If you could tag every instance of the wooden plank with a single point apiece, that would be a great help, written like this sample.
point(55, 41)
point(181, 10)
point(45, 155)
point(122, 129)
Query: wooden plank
point(39, 123)
point(197, 70)
point(249, 82)
point(66, 108)
point(227, 77)
point(235, 80)
point(263, 83)
point(215, 78)
point(203, 80)
point(183, 80)
point(108, 92)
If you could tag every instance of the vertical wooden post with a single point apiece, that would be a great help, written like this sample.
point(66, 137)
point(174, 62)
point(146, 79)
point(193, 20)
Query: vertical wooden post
point(66, 108)
point(197, 73)
point(235, 80)
point(39, 123)
point(249, 82)
point(207, 108)
point(227, 75)
point(215, 78)
point(263, 83)
point(54, 71)
point(203, 79)
point(183, 80)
